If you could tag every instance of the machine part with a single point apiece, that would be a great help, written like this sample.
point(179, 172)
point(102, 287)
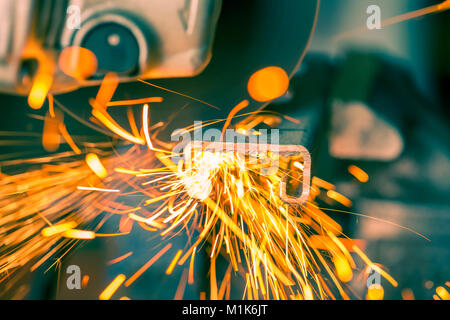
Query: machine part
point(115, 43)
point(151, 39)
point(114, 38)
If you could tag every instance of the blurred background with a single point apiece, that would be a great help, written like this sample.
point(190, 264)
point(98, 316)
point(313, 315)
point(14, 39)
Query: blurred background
point(378, 100)
point(396, 127)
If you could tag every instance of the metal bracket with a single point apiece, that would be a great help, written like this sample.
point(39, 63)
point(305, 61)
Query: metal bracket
point(254, 148)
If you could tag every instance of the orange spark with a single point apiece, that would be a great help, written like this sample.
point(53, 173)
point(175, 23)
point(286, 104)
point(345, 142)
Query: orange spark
point(322, 183)
point(213, 281)
point(95, 165)
point(181, 285)
point(68, 138)
point(134, 101)
point(374, 266)
point(106, 90)
point(97, 189)
point(443, 293)
point(118, 259)
point(174, 262)
point(39, 90)
point(339, 198)
point(358, 173)
point(58, 228)
point(125, 224)
point(84, 281)
point(344, 272)
point(51, 137)
point(145, 126)
point(51, 107)
point(375, 292)
point(241, 105)
point(407, 294)
point(112, 287)
point(79, 234)
point(147, 265)
point(111, 234)
point(178, 93)
point(77, 62)
point(112, 125)
point(132, 122)
point(191, 267)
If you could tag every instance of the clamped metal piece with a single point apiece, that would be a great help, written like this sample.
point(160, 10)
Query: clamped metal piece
point(250, 149)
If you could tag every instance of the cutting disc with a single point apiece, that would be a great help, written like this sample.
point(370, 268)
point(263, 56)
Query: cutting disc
point(250, 35)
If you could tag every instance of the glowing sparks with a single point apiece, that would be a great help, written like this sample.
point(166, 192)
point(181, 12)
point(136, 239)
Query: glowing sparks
point(181, 285)
point(339, 198)
point(298, 165)
point(134, 102)
point(344, 272)
point(85, 281)
point(121, 258)
point(78, 62)
point(174, 262)
point(220, 199)
point(68, 138)
point(94, 163)
point(106, 90)
point(234, 111)
point(442, 293)
point(39, 90)
point(268, 83)
point(112, 287)
point(97, 189)
point(374, 266)
point(147, 265)
point(51, 106)
point(104, 118)
point(407, 294)
point(322, 183)
point(145, 126)
point(191, 267)
point(358, 173)
point(79, 234)
point(375, 292)
point(55, 229)
point(51, 137)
